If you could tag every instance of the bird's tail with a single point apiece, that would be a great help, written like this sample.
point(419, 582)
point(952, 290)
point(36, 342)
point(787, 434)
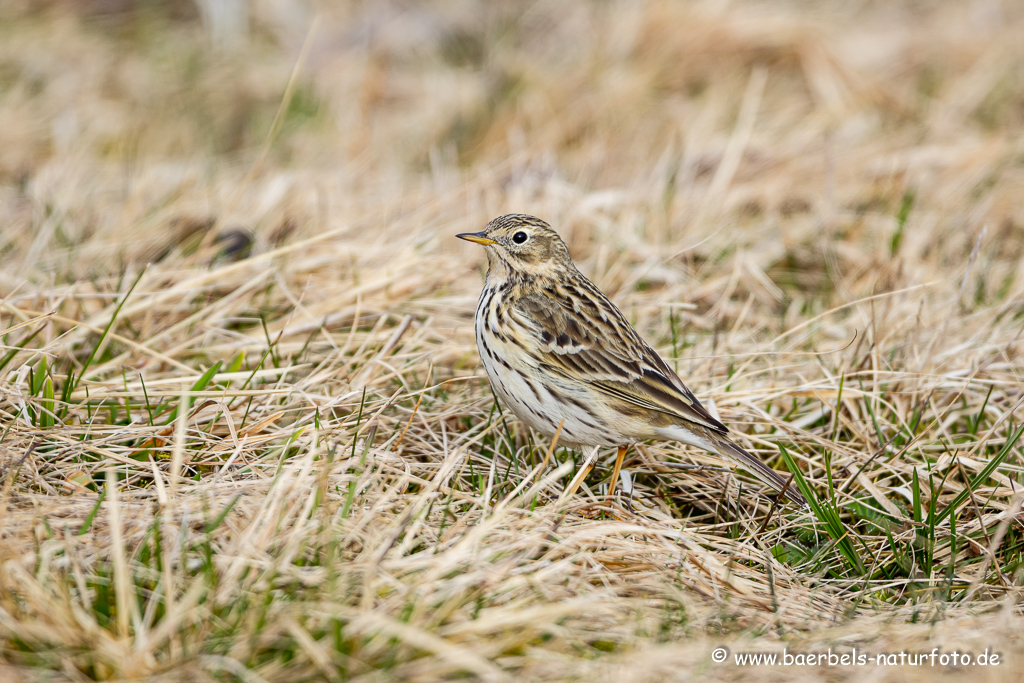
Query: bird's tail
point(730, 451)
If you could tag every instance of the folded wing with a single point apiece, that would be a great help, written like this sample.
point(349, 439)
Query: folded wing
point(583, 337)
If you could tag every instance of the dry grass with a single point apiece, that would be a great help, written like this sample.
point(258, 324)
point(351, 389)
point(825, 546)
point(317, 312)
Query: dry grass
point(244, 432)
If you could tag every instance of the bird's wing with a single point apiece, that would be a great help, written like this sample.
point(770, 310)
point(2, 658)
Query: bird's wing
point(579, 334)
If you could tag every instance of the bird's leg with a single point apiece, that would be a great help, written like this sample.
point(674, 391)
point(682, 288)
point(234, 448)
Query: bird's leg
point(619, 457)
point(574, 485)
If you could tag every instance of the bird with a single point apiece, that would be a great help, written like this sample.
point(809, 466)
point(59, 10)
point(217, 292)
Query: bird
point(561, 356)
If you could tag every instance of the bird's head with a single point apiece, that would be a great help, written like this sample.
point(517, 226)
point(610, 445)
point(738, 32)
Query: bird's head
point(520, 246)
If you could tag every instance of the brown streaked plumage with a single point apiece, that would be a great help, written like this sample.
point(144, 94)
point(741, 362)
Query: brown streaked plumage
point(558, 351)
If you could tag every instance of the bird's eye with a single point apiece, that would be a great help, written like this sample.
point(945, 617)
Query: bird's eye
point(519, 237)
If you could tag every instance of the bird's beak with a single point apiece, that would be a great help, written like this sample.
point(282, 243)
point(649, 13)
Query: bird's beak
point(478, 237)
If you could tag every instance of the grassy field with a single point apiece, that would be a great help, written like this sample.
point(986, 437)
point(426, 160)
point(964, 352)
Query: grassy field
point(244, 432)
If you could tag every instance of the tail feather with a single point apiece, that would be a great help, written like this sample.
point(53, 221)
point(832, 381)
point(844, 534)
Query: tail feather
point(730, 451)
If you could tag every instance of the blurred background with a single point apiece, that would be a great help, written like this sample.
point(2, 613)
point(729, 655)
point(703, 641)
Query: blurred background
point(822, 110)
point(896, 125)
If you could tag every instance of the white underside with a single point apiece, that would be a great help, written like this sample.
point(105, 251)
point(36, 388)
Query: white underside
point(529, 399)
point(579, 426)
point(684, 435)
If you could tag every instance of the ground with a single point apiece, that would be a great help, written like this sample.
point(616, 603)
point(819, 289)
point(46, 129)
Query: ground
point(244, 432)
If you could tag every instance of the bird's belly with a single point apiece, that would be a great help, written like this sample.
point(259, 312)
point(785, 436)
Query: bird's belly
point(543, 401)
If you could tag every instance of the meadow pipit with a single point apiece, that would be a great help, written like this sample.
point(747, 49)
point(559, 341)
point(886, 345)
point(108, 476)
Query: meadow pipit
point(557, 351)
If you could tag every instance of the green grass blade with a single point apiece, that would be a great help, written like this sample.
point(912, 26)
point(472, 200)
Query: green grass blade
point(826, 513)
point(199, 385)
point(984, 474)
point(92, 513)
point(18, 348)
point(106, 330)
